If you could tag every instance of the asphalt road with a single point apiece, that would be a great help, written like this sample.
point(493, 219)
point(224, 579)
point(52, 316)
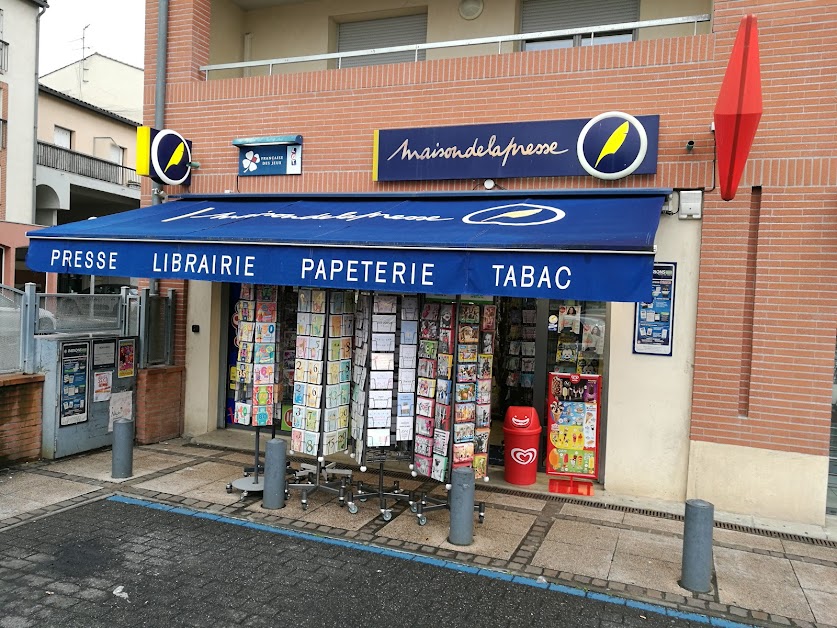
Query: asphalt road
point(109, 563)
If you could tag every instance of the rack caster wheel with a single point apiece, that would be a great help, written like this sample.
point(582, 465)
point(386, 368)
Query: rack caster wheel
point(244, 494)
point(386, 515)
point(352, 508)
point(305, 505)
point(246, 475)
point(482, 518)
point(413, 507)
point(229, 488)
point(422, 520)
point(362, 499)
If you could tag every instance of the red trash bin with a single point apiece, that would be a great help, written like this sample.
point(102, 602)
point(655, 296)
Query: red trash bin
point(521, 431)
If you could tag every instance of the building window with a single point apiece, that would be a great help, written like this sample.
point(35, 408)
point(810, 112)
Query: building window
point(382, 33)
point(549, 15)
point(62, 137)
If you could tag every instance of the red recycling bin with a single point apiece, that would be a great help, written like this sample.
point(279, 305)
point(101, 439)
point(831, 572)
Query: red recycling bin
point(522, 432)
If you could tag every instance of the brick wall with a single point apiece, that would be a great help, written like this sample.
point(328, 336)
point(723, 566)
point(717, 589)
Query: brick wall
point(159, 404)
point(20, 417)
point(767, 314)
point(4, 108)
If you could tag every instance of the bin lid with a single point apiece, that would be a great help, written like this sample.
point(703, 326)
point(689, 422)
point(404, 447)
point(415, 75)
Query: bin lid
point(522, 418)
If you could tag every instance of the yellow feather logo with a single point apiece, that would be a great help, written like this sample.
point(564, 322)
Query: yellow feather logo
point(177, 155)
point(614, 142)
point(520, 213)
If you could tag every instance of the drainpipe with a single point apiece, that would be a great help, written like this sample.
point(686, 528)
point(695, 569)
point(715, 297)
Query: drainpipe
point(160, 80)
point(160, 93)
point(32, 219)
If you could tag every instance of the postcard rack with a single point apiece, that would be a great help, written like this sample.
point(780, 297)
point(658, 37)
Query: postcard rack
point(453, 408)
point(375, 387)
point(322, 390)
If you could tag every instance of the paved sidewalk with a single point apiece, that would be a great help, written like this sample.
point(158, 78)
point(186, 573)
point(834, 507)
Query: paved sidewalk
point(630, 551)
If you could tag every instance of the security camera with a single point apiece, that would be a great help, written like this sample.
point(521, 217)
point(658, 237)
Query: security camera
point(690, 145)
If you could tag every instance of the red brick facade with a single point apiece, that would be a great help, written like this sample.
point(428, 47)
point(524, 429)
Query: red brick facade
point(20, 417)
point(767, 310)
point(159, 404)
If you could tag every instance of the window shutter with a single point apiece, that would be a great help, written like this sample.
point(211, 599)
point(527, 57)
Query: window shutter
point(390, 31)
point(548, 15)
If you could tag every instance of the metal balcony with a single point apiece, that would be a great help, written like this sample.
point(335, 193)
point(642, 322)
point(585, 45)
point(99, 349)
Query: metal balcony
point(67, 160)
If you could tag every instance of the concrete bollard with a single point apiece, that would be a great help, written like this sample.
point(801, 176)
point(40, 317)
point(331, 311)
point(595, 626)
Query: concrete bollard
point(461, 504)
point(122, 465)
point(696, 574)
point(275, 461)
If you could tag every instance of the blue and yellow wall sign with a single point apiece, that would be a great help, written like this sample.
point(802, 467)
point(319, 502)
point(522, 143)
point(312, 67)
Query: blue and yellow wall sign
point(164, 155)
point(266, 156)
point(611, 145)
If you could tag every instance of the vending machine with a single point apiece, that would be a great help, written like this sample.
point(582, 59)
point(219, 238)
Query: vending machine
point(90, 381)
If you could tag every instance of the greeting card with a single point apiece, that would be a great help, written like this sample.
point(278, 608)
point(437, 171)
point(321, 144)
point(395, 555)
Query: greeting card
point(483, 416)
point(264, 353)
point(467, 353)
point(426, 387)
point(409, 332)
point(304, 300)
point(421, 465)
point(424, 426)
point(429, 330)
point(263, 374)
point(463, 452)
point(266, 311)
point(464, 412)
point(469, 313)
point(440, 442)
point(463, 432)
point(245, 352)
point(466, 372)
point(484, 391)
point(428, 349)
point(489, 318)
point(446, 316)
point(336, 304)
point(242, 413)
point(466, 392)
point(318, 301)
point(443, 390)
point(443, 365)
point(430, 311)
point(469, 334)
point(409, 308)
point(247, 291)
point(265, 332)
point(439, 469)
point(423, 445)
point(247, 311)
point(480, 464)
point(481, 439)
point(245, 331)
point(424, 407)
point(385, 304)
point(263, 415)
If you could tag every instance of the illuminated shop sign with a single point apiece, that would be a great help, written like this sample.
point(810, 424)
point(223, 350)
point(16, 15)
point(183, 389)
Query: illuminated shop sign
point(611, 145)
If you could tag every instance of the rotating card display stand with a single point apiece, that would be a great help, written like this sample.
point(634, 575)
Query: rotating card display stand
point(320, 419)
point(257, 389)
point(376, 329)
point(453, 405)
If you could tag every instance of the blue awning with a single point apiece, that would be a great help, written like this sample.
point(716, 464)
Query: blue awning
point(589, 245)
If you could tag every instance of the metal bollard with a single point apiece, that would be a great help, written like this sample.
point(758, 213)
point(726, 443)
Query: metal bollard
point(122, 465)
point(696, 574)
point(461, 504)
point(275, 460)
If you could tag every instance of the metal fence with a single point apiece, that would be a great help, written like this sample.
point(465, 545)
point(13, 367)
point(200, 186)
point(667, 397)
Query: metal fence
point(11, 302)
point(67, 160)
point(24, 315)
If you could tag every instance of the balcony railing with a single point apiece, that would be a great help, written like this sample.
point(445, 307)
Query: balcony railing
point(4, 56)
point(498, 40)
point(67, 160)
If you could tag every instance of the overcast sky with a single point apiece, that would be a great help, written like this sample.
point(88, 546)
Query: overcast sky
point(116, 30)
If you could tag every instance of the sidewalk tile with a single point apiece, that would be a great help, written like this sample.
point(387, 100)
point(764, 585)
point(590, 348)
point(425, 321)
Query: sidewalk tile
point(587, 561)
point(653, 523)
point(752, 541)
point(816, 577)
point(824, 606)
point(582, 534)
point(647, 545)
point(650, 573)
point(811, 551)
point(588, 512)
point(761, 583)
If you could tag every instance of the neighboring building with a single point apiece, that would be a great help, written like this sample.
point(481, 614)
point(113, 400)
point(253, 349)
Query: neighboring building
point(740, 413)
point(86, 158)
point(101, 81)
point(19, 28)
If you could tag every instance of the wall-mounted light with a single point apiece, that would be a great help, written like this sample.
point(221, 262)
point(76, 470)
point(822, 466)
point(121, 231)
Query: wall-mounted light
point(489, 184)
point(690, 146)
point(470, 9)
point(271, 140)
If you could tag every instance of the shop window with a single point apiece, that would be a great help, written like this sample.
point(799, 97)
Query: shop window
point(547, 15)
point(576, 337)
point(382, 33)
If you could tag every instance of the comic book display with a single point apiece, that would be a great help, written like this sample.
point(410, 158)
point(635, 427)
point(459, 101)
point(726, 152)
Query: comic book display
point(573, 408)
point(258, 381)
point(322, 372)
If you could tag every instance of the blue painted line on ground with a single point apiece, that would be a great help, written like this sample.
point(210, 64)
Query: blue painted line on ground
point(444, 564)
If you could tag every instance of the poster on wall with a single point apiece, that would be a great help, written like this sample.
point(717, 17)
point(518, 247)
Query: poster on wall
point(654, 320)
point(574, 411)
point(74, 380)
point(127, 357)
